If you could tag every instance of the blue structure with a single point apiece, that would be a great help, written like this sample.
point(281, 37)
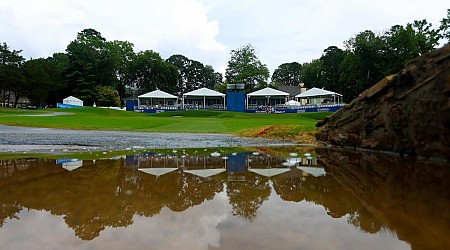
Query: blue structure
point(236, 101)
point(62, 105)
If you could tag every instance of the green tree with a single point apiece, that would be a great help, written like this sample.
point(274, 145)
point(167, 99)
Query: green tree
point(444, 28)
point(288, 74)
point(245, 67)
point(11, 77)
point(121, 53)
point(150, 72)
point(59, 70)
point(107, 96)
point(40, 80)
point(331, 60)
point(312, 73)
point(90, 65)
point(193, 74)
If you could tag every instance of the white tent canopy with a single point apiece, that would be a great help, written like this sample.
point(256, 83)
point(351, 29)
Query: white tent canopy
point(316, 172)
point(316, 92)
point(157, 171)
point(268, 93)
point(203, 93)
point(293, 103)
point(72, 101)
point(158, 95)
point(205, 172)
point(269, 172)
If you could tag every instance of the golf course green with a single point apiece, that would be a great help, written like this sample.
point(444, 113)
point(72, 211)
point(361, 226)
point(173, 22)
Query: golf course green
point(195, 121)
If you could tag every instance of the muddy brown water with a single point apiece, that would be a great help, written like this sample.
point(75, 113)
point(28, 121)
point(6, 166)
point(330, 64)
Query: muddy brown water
point(268, 198)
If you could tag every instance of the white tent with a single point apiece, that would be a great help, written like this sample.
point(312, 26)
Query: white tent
point(203, 94)
point(73, 101)
point(158, 95)
point(316, 92)
point(316, 172)
point(157, 171)
point(205, 172)
point(269, 172)
point(268, 93)
point(292, 103)
point(72, 165)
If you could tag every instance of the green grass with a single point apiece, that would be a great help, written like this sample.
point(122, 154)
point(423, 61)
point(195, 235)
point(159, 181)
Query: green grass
point(177, 121)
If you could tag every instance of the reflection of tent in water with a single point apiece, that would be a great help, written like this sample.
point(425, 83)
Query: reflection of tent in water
point(313, 171)
point(70, 164)
point(205, 172)
point(269, 172)
point(157, 171)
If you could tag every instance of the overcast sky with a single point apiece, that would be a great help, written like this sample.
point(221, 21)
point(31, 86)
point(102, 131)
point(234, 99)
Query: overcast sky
point(281, 31)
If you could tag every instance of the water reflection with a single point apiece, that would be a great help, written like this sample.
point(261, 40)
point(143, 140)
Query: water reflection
point(384, 196)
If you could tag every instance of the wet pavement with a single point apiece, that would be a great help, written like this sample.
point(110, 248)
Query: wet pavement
point(14, 139)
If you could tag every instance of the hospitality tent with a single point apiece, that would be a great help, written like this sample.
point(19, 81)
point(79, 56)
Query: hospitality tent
point(316, 172)
point(157, 171)
point(269, 172)
point(317, 93)
point(267, 94)
point(73, 101)
point(203, 98)
point(292, 103)
point(205, 173)
point(157, 97)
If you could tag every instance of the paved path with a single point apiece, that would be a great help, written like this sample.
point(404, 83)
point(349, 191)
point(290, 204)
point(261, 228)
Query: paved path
point(14, 139)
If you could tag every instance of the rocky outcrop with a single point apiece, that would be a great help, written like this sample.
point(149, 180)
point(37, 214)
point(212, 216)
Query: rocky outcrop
point(407, 113)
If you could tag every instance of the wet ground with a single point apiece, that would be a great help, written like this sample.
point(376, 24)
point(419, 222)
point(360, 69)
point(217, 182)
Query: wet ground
point(13, 139)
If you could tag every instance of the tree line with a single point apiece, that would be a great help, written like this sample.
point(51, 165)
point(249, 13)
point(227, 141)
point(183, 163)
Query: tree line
point(98, 71)
point(366, 58)
point(106, 72)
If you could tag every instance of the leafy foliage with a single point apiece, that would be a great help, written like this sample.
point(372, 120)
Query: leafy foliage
point(193, 74)
point(288, 74)
point(244, 67)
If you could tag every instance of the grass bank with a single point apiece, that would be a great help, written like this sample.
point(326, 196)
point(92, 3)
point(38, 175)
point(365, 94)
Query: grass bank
point(298, 127)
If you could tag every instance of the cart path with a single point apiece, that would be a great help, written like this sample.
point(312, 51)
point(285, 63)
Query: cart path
point(15, 139)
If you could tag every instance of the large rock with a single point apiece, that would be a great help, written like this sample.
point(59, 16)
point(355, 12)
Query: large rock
point(407, 113)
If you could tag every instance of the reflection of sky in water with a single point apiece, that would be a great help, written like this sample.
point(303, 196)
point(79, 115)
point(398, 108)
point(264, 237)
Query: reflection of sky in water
point(210, 224)
point(179, 210)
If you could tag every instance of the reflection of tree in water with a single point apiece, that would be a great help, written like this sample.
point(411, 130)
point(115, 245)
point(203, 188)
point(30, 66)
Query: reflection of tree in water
point(325, 191)
point(246, 197)
point(8, 210)
point(100, 195)
point(9, 206)
point(194, 190)
point(406, 196)
point(178, 191)
point(85, 197)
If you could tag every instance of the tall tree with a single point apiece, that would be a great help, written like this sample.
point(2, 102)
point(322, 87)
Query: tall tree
point(41, 78)
point(89, 65)
point(444, 28)
point(193, 74)
point(331, 60)
point(11, 77)
point(288, 74)
point(121, 54)
point(150, 72)
point(312, 73)
point(245, 67)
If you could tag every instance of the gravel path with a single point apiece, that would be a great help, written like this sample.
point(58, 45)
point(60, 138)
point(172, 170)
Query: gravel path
point(13, 139)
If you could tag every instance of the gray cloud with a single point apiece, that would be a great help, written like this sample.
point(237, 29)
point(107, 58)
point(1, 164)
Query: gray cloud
point(207, 30)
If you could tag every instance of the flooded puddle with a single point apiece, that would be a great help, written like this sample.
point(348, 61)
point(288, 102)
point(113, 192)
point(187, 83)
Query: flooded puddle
point(225, 198)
